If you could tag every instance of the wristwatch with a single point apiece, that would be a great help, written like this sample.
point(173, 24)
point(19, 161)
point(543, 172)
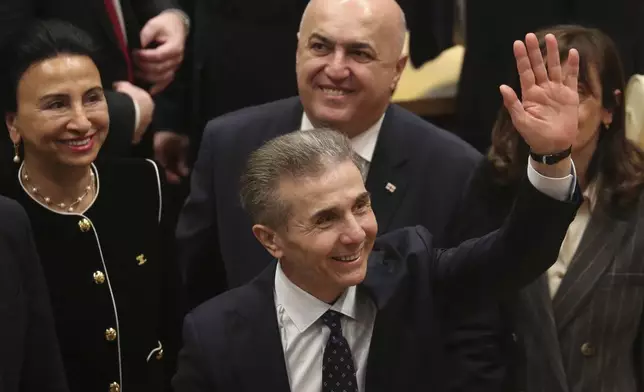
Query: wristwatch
point(551, 159)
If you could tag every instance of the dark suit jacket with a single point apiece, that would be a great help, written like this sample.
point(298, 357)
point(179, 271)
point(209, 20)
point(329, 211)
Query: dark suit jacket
point(588, 337)
point(492, 26)
point(232, 342)
point(90, 16)
point(30, 358)
point(428, 166)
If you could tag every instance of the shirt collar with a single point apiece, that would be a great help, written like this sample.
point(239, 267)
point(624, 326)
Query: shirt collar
point(303, 308)
point(364, 144)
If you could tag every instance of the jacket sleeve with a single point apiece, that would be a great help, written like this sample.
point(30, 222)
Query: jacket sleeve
point(122, 121)
point(519, 252)
point(42, 369)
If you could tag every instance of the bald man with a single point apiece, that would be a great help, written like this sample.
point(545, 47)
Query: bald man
point(348, 61)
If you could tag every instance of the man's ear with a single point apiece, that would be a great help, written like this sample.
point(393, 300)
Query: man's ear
point(269, 239)
point(400, 67)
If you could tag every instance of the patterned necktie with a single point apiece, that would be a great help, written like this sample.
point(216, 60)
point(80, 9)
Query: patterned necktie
point(363, 165)
point(338, 370)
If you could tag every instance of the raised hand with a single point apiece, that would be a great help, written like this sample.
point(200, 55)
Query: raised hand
point(546, 117)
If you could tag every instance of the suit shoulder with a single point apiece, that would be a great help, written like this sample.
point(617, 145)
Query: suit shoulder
point(406, 242)
point(254, 116)
point(133, 169)
point(210, 313)
point(439, 141)
point(11, 209)
point(139, 179)
point(14, 216)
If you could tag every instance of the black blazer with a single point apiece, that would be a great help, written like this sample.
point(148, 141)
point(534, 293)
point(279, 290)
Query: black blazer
point(232, 342)
point(428, 166)
point(108, 268)
point(29, 359)
point(90, 16)
point(589, 336)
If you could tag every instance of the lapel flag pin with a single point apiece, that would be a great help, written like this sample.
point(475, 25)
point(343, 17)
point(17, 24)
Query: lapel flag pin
point(390, 187)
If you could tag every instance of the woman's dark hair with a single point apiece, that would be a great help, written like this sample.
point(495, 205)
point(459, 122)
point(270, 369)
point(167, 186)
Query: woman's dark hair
point(40, 40)
point(617, 166)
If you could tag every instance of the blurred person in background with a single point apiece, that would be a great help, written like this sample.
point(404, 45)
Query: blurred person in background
point(30, 358)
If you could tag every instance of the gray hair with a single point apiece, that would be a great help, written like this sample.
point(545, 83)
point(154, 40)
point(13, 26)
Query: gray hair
point(294, 155)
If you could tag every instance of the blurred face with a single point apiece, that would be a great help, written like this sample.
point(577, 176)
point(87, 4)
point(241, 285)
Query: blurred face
point(592, 115)
point(61, 116)
point(325, 246)
point(348, 63)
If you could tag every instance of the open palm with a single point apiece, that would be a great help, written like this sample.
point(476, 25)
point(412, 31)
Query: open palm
point(547, 116)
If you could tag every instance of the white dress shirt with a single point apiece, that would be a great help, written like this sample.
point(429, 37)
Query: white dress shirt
point(304, 335)
point(364, 144)
point(572, 240)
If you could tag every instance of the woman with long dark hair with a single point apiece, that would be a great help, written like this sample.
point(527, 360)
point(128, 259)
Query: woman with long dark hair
point(579, 326)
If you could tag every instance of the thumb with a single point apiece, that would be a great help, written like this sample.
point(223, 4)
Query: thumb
point(149, 32)
point(512, 103)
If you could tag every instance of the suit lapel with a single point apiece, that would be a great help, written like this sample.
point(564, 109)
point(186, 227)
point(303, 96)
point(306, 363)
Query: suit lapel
point(260, 353)
point(387, 179)
point(594, 255)
point(539, 304)
point(104, 20)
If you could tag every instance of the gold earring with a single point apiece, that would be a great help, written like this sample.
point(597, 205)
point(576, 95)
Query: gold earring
point(16, 156)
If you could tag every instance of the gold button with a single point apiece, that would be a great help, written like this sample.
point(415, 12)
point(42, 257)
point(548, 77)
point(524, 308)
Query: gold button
point(99, 277)
point(159, 355)
point(84, 225)
point(110, 334)
point(115, 387)
point(141, 259)
point(587, 349)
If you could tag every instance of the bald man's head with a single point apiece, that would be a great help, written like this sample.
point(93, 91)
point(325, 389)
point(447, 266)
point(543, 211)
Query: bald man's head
point(349, 60)
point(386, 9)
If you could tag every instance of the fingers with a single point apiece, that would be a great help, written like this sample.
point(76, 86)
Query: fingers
point(167, 51)
point(571, 70)
point(123, 86)
point(536, 59)
point(554, 65)
point(172, 177)
point(150, 31)
point(158, 67)
point(512, 103)
point(526, 76)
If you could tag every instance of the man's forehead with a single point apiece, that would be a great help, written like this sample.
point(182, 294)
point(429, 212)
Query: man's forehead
point(334, 188)
point(344, 38)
